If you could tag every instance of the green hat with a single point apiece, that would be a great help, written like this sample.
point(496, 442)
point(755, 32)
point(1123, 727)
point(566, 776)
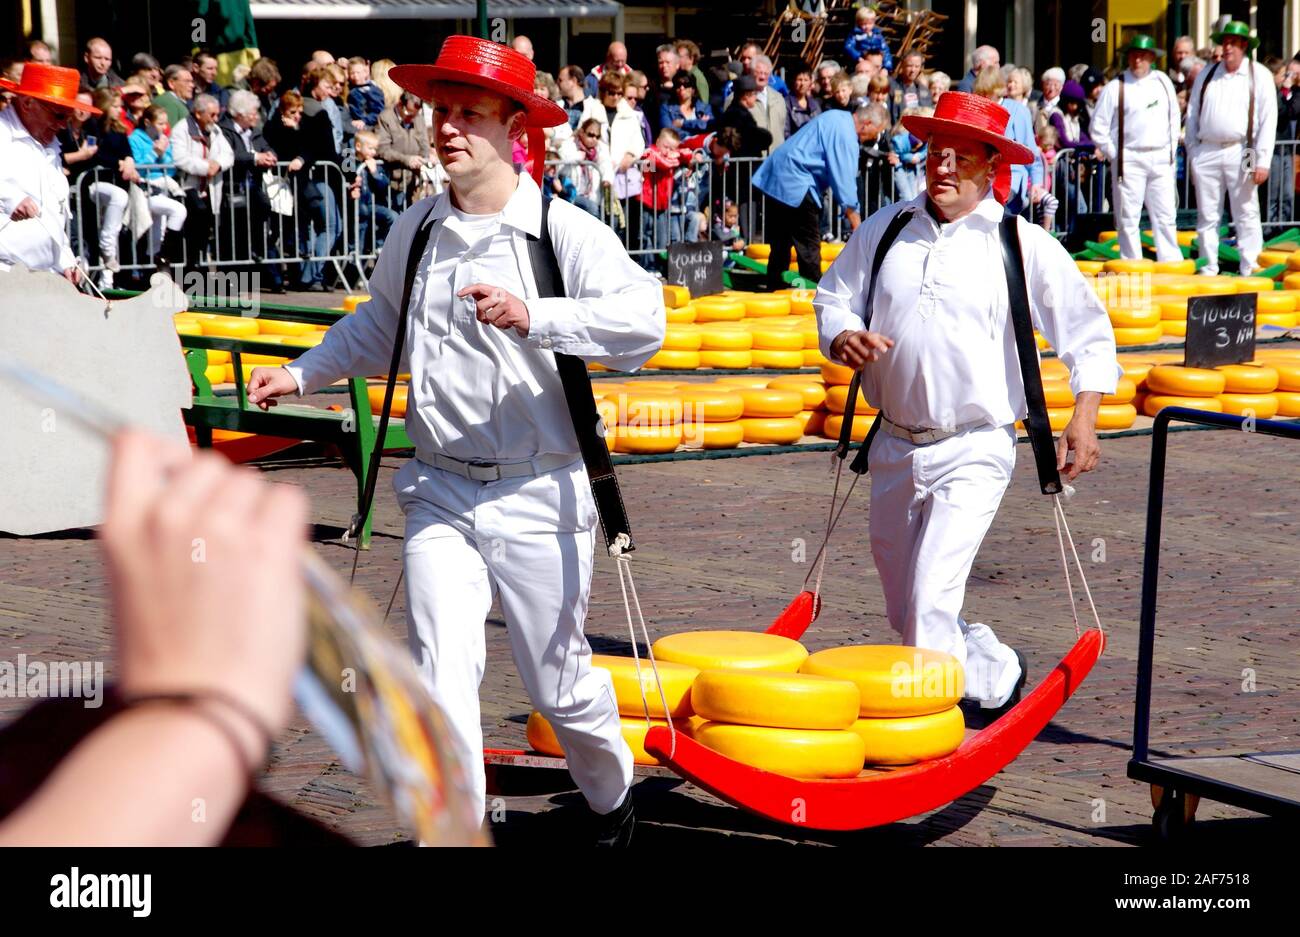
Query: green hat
point(1143, 43)
point(1238, 29)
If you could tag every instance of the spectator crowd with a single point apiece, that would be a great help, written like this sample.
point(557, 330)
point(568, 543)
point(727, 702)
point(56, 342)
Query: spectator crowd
point(298, 164)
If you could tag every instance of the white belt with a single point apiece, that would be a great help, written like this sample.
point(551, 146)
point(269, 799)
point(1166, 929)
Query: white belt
point(922, 437)
point(495, 471)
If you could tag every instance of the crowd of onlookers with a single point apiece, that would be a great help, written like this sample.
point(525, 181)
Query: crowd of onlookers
point(277, 165)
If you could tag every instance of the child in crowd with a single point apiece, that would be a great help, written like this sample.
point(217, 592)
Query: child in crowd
point(909, 171)
point(868, 37)
point(1045, 208)
point(726, 229)
point(878, 90)
point(366, 99)
point(660, 161)
point(370, 192)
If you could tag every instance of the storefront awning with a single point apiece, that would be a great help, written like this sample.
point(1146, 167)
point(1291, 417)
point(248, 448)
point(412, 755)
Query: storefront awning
point(423, 9)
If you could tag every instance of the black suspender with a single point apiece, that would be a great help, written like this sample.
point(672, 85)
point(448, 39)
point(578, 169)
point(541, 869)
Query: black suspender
point(1036, 420)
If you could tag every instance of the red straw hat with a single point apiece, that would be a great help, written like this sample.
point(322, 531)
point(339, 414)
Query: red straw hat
point(51, 84)
point(465, 60)
point(975, 118)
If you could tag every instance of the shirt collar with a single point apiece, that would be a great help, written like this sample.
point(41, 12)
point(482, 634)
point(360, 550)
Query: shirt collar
point(523, 211)
point(989, 209)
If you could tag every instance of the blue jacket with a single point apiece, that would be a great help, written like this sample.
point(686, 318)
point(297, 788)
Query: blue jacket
point(911, 152)
point(822, 155)
point(366, 103)
point(703, 120)
point(372, 184)
point(142, 152)
point(860, 42)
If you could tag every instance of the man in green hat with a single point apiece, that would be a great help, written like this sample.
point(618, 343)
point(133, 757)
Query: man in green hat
point(1231, 125)
point(1136, 127)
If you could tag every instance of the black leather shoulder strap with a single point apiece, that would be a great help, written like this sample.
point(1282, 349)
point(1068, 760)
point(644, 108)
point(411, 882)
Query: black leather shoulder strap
point(859, 464)
point(1036, 421)
point(581, 402)
point(418, 243)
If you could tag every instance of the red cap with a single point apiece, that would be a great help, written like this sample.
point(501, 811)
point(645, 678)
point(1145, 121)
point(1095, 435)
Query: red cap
point(51, 84)
point(466, 60)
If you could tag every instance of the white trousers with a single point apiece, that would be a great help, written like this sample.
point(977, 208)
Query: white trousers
point(528, 540)
point(930, 509)
point(1148, 178)
point(1217, 170)
point(112, 202)
point(166, 211)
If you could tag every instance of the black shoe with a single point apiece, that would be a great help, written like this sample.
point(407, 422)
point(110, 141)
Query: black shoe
point(614, 829)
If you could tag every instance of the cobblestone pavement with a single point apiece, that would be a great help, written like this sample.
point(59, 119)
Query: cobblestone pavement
point(717, 541)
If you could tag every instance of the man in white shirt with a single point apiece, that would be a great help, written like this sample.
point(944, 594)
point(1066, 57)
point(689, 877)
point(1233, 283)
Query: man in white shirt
point(1136, 126)
point(1231, 125)
point(33, 188)
point(486, 400)
point(938, 358)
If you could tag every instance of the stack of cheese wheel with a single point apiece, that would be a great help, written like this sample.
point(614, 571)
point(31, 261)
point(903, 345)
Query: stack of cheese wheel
point(1172, 385)
point(1056, 390)
point(777, 346)
point(1277, 308)
point(630, 682)
point(1173, 315)
point(758, 709)
point(907, 697)
point(1135, 324)
point(772, 415)
point(1248, 390)
point(812, 388)
point(837, 379)
point(681, 347)
point(711, 416)
point(723, 345)
point(649, 421)
point(1286, 362)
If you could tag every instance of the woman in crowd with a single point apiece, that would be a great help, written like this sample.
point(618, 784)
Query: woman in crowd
point(1070, 121)
point(114, 170)
point(151, 147)
point(686, 114)
point(587, 165)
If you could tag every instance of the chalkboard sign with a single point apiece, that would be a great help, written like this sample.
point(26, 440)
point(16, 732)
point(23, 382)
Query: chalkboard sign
point(698, 267)
point(1220, 330)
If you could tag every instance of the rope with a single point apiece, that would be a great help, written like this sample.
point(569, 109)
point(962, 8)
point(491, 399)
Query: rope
point(626, 582)
point(1058, 514)
point(832, 519)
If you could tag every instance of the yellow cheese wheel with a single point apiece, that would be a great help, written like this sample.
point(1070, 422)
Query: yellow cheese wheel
point(1135, 370)
point(281, 327)
point(607, 388)
point(220, 357)
point(190, 327)
point(1154, 403)
point(646, 440)
point(777, 360)
point(1090, 267)
point(1185, 238)
point(350, 303)
point(732, 650)
point(836, 373)
point(726, 359)
point(776, 700)
point(1116, 415)
point(1059, 417)
point(273, 361)
point(778, 339)
point(712, 435)
point(1254, 285)
point(1273, 258)
point(1283, 320)
point(893, 680)
point(837, 397)
point(710, 404)
point(1139, 265)
point(773, 431)
point(812, 391)
point(1139, 336)
point(680, 315)
point(229, 327)
point(1041, 341)
point(758, 251)
point(307, 340)
point(629, 682)
point(648, 408)
point(680, 336)
point(1175, 266)
point(1053, 369)
point(654, 385)
point(909, 739)
point(795, 753)
point(717, 309)
point(1125, 389)
point(1215, 285)
point(1288, 372)
point(1175, 328)
point(1174, 310)
point(1185, 382)
point(813, 358)
point(861, 425)
point(814, 421)
point(607, 410)
point(215, 374)
point(771, 402)
point(1261, 406)
point(376, 394)
point(1134, 317)
point(675, 296)
point(1248, 378)
point(1104, 236)
point(831, 249)
point(247, 369)
point(1288, 403)
point(1058, 394)
point(725, 340)
point(801, 302)
point(1278, 300)
point(674, 360)
point(765, 306)
point(541, 736)
point(739, 382)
